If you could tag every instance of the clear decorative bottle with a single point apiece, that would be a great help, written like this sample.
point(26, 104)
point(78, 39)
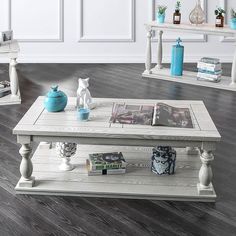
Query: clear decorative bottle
point(197, 15)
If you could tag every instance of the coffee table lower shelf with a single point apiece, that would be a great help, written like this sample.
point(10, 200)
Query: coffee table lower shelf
point(138, 183)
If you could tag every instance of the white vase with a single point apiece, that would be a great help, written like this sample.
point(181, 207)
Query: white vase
point(197, 15)
point(65, 151)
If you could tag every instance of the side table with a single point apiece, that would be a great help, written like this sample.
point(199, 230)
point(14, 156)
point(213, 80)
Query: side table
point(11, 50)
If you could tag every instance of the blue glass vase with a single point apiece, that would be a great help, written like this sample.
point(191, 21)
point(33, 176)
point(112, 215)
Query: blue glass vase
point(177, 59)
point(55, 100)
point(233, 23)
point(160, 18)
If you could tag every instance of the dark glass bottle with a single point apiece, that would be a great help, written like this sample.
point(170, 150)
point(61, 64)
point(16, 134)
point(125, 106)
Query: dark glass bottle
point(220, 20)
point(176, 17)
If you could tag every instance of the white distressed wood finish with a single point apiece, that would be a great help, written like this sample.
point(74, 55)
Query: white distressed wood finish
point(39, 125)
point(159, 50)
point(188, 77)
point(11, 50)
point(148, 51)
point(139, 182)
point(194, 29)
point(26, 167)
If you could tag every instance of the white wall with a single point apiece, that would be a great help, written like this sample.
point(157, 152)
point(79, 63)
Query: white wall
point(101, 30)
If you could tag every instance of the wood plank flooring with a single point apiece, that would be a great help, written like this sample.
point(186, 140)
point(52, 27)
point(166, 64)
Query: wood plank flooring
point(47, 215)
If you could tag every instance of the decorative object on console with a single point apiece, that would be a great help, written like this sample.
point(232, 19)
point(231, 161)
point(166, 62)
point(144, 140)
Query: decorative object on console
point(177, 59)
point(5, 88)
point(66, 151)
point(84, 99)
point(163, 160)
point(177, 14)
point(209, 69)
point(160, 15)
point(197, 15)
point(83, 114)
point(55, 100)
point(6, 37)
point(106, 163)
point(233, 19)
point(219, 17)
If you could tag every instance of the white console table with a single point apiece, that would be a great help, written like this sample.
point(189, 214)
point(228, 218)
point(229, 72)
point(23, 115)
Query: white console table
point(159, 72)
point(11, 50)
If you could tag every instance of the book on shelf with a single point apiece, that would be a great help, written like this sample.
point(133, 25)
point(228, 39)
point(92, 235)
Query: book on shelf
point(210, 60)
point(207, 75)
point(205, 78)
point(4, 84)
point(208, 66)
point(160, 114)
point(4, 91)
point(106, 163)
point(217, 72)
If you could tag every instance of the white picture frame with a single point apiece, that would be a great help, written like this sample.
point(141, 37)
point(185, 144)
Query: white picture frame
point(6, 37)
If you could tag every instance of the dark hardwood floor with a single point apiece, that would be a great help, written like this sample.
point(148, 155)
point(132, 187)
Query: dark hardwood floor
point(49, 215)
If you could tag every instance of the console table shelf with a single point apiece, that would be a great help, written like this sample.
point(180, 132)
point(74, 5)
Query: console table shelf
point(159, 72)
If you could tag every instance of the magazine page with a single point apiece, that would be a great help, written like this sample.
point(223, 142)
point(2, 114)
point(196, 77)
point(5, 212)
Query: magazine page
point(165, 115)
point(132, 114)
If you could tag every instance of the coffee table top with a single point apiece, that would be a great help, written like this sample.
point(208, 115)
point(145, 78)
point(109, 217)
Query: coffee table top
point(37, 121)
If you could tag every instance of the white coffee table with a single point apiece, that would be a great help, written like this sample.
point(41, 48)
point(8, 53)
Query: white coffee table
point(135, 141)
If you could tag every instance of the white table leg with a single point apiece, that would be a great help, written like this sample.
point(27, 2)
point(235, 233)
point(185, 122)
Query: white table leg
point(205, 174)
point(148, 52)
point(159, 51)
point(233, 72)
point(26, 167)
point(13, 78)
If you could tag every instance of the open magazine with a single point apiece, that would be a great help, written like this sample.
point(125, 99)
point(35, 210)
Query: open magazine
point(159, 115)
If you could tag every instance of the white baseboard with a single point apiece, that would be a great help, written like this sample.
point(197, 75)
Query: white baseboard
point(27, 58)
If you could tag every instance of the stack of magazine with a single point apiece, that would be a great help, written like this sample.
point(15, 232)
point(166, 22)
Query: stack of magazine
point(209, 69)
point(160, 114)
point(106, 163)
point(5, 88)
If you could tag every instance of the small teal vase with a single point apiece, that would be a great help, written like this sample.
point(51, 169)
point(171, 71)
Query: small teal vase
point(233, 23)
point(160, 18)
point(177, 59)
point(55, 100)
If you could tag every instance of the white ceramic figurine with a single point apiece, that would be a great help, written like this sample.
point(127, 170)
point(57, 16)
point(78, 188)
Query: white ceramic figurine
point(84, 98)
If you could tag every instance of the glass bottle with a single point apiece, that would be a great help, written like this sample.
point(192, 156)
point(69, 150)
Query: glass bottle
point(176, 17)
point(220, 20)
point(197, 15)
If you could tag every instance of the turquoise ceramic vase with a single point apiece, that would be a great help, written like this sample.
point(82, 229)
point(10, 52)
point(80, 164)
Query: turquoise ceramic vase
point(55, 100)
point(177, 59)
point(160, 18)
point(233, 23)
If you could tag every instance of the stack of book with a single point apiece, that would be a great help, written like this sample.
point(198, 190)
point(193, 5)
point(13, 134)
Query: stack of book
point(209, 69)
point(5, 88)
point(106, 163)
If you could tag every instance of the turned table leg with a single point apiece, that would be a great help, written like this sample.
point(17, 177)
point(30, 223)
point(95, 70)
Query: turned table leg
point(148, 52)
point(205, 174)
point(159, 51)
point(233, 72)
point(26, 167)
point(13, 78)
